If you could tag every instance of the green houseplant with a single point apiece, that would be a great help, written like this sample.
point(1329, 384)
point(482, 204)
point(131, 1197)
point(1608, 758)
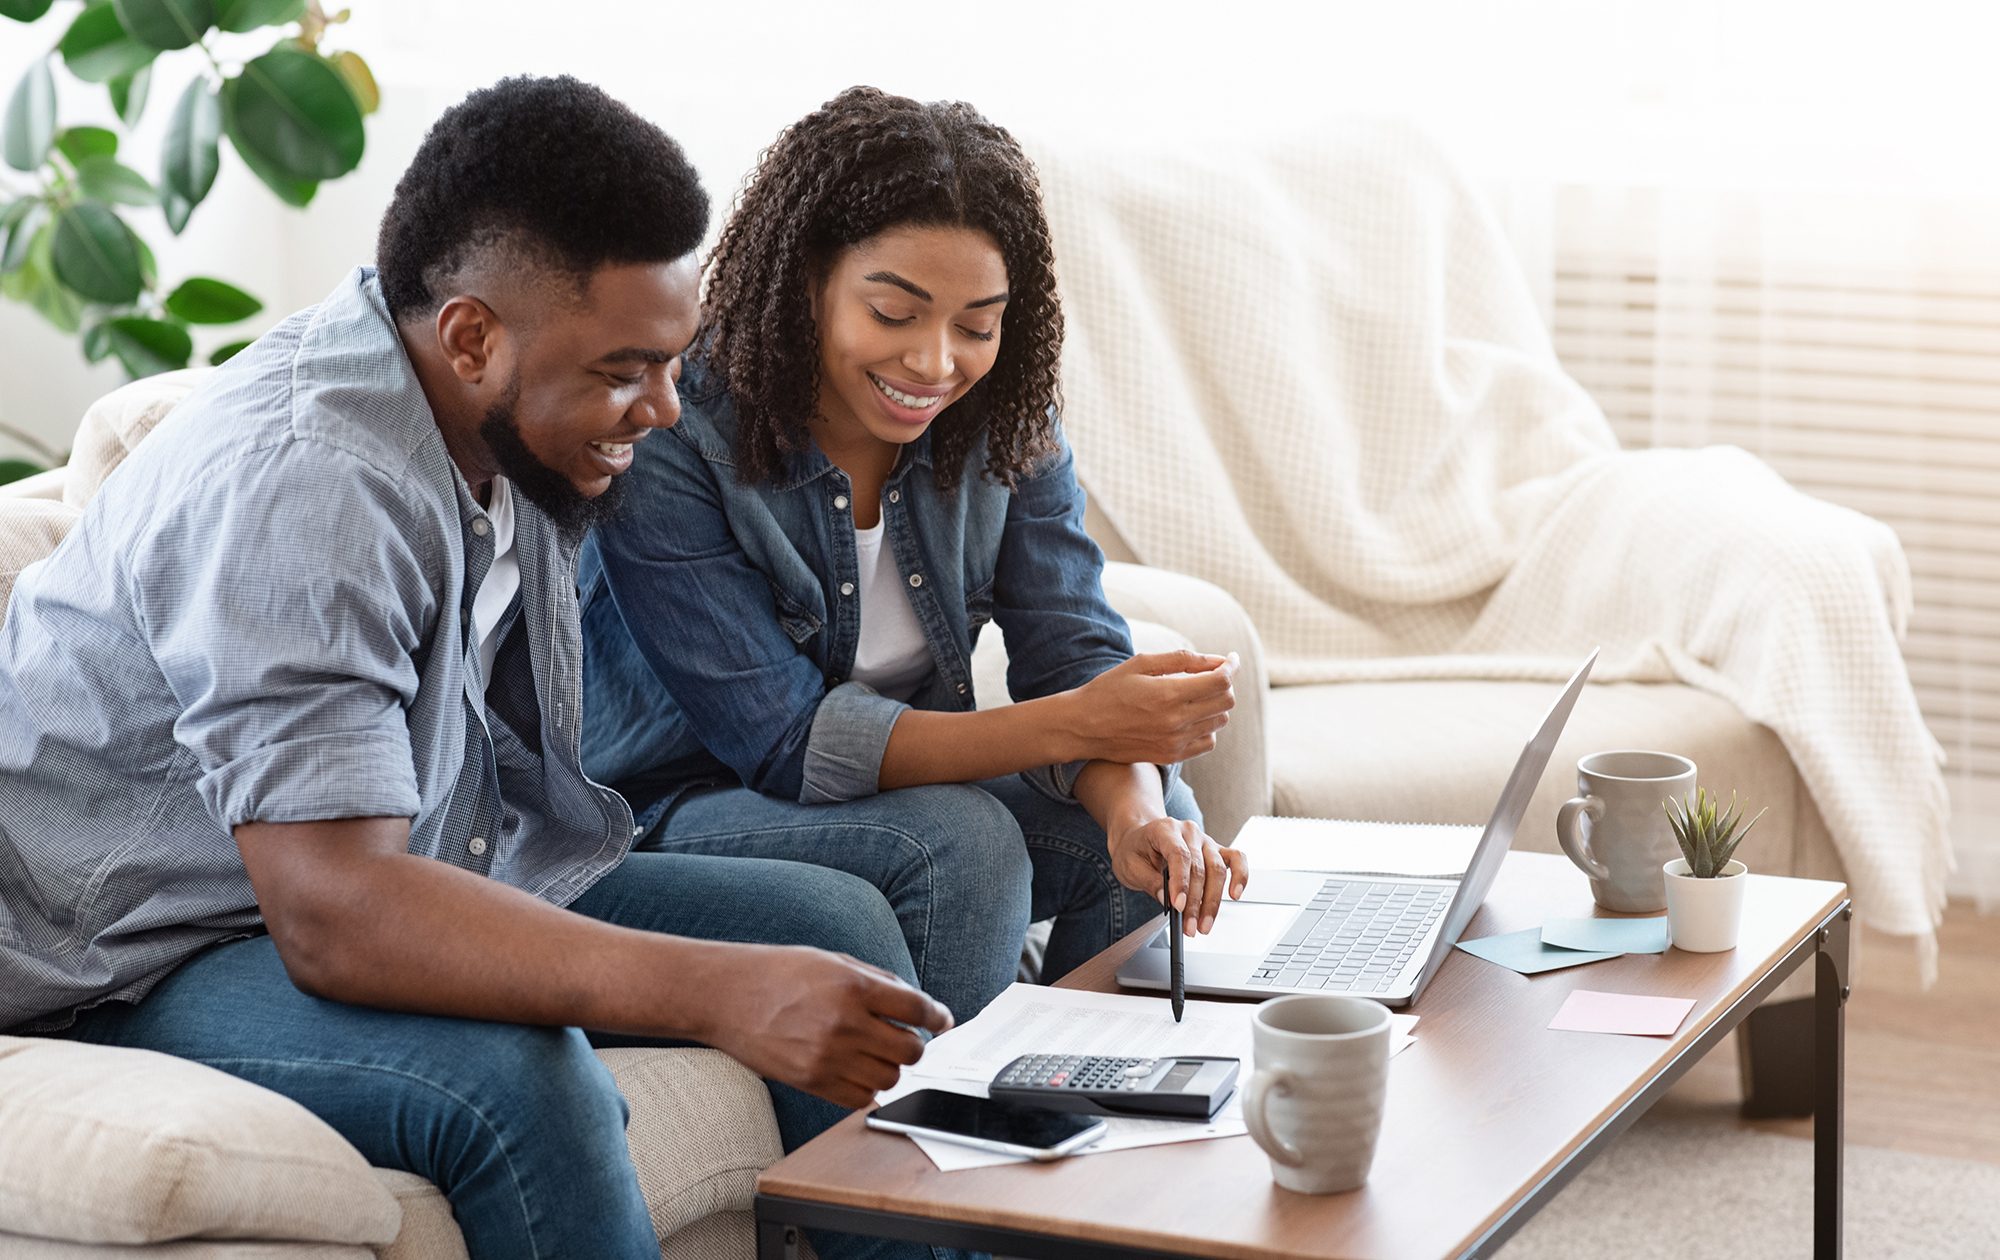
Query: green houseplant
point(1704, 884)
point(74, 208)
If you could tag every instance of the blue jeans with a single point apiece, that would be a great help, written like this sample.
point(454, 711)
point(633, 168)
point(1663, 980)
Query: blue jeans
point(965, 866)
point(521, 1127)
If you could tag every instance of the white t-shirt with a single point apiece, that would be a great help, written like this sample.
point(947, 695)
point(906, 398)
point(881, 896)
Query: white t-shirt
point(502, 582)
point(892, 656)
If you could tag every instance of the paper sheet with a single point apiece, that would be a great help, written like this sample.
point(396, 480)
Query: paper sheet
point(1623, 936)
point(1527, 953)
point(1437, 851)
point(1633, 1014)
point(1028, 1018)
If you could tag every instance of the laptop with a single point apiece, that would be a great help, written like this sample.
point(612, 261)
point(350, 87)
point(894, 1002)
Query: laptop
point(1367, 935)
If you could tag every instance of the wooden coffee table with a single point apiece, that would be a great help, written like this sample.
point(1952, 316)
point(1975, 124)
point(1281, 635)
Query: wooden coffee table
point(1490, 1113)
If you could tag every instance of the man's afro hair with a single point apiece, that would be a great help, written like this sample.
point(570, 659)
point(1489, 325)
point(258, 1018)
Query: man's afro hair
point(551, 169)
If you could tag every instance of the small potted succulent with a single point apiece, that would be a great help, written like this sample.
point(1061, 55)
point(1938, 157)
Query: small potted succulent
point(1705, 884)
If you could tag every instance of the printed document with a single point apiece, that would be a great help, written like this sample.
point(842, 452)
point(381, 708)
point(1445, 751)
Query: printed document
point(1030, 1019)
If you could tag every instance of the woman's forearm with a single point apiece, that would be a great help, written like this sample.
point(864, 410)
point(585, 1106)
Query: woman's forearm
point(926, 747)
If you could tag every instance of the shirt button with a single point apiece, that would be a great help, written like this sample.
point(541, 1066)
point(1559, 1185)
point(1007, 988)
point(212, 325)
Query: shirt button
point(840, 500)
point(916, 579)
point(476, 846)
point(961, 689)
point(481, 527)
point(895, 496)
point(847, 588)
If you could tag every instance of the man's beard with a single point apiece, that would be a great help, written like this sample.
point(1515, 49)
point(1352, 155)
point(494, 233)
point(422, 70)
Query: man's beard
point(573, 512)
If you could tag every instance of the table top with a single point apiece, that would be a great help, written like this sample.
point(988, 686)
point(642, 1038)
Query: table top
point(1485, 1105)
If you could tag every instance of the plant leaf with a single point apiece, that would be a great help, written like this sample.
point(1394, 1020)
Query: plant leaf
point(34, 282)
point(248, 15)
point(95, 255)
point(225, 353)
point(80, 144)
point(128, 95)
point(96, 343)
point(148, 347)
point(165, 24)
point(30, 125)
point(360, 80)
point(16, 469)
point(108, 179)
point(294, 112)
point(205, 301)
point(20, 234)
point(97, 50)
point(24, 10)
point(192, 157)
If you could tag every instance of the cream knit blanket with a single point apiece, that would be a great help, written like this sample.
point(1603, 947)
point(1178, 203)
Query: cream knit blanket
point(1315, 377)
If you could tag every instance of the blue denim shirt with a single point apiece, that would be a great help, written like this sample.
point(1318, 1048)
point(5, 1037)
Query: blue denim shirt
point(720, 619)
point(264, 616)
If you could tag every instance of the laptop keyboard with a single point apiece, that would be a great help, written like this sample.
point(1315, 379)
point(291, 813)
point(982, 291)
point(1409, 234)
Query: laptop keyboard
point(1354, 936)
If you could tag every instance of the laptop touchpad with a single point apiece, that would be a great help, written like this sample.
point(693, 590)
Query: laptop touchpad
point(1241, 927)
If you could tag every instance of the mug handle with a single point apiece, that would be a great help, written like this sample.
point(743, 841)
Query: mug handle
point(1254, 1119)
point(1575, 840)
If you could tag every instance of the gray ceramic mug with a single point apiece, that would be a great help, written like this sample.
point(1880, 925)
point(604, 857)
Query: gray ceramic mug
point(1615, 828)
point(1314, 1102)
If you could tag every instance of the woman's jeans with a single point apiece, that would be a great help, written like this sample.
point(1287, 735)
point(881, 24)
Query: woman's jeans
point(521, 1127)
point(966, 867)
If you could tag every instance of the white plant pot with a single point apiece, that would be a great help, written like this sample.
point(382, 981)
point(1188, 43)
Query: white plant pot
point(1703, 915)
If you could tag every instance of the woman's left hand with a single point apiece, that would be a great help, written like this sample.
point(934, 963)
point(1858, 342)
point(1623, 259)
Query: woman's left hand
point(1198, 869)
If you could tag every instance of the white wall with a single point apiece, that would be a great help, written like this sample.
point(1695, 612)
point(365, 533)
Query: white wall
point(1718, 89)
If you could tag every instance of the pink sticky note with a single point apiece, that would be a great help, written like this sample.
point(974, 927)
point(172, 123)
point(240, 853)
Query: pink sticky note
point(1590, 1011)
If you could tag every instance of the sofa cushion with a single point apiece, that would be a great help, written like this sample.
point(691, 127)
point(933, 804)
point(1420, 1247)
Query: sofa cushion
point(29, 530)
point(18, 1247)
point(1439, 751)
point(126, 1146)
point(116, 423)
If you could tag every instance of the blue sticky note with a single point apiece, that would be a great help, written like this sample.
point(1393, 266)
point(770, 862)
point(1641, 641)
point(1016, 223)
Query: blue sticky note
point(1623, 936)
point(1528, 954)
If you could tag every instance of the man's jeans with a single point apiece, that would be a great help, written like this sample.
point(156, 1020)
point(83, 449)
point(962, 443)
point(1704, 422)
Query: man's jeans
point(966, 867)
point(521, 1127)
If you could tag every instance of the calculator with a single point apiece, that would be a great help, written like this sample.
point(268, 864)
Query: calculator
point(1177, 1087)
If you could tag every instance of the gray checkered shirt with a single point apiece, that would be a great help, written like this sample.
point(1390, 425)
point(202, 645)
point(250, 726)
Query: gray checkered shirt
point(265, 616)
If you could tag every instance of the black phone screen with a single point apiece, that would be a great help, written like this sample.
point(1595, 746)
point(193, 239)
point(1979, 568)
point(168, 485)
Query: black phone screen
point(1036, 1127)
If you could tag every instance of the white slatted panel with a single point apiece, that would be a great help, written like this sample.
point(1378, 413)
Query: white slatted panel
point(1870, 391)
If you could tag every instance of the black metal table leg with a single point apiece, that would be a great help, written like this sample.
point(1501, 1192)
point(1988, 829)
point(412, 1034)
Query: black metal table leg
point(774, 1239)
point(1830, 992)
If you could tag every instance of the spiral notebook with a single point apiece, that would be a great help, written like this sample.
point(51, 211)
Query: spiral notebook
point(1364, 908)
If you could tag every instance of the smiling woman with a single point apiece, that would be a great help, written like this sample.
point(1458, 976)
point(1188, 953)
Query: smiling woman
point(869, 468)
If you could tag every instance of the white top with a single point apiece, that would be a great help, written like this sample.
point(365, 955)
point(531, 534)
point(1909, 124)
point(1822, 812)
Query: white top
point(892, 656)
point(502, 582)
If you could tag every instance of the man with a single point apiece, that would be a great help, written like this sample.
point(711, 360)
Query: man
point(309, 666)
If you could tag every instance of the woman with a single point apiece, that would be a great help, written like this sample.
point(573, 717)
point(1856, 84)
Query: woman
point(779, 622)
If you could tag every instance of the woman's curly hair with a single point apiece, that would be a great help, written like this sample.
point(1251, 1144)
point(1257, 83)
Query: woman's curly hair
point(861, 164)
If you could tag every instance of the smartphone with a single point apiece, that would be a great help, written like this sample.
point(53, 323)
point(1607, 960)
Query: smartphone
point(1009, 1128)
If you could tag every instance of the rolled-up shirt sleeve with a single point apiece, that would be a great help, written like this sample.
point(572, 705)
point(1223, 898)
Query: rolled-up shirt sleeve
point(1048, 599)
point(705, 618)
point(286, 602)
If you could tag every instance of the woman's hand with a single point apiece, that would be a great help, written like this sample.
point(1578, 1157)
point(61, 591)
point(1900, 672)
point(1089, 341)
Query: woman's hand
point(1159, 707)
point(1197, 867)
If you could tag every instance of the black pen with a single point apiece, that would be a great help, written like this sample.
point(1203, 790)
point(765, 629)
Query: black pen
point(1176, 977)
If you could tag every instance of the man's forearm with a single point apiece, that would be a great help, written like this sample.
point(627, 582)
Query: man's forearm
point(382, 927)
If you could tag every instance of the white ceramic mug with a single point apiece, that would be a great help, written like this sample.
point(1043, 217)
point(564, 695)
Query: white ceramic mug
point(1615, 828)
point(1315, 1101)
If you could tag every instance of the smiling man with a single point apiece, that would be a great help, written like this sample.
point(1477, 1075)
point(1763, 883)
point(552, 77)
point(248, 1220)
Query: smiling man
point(289, 778)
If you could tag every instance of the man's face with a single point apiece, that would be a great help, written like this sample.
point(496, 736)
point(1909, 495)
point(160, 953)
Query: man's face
point(589, 382)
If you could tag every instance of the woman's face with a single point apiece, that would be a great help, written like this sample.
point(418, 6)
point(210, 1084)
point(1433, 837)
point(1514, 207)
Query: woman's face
point(909, 320)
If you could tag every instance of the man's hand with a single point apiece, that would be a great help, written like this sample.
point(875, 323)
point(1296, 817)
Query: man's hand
point(1159, 707)
point(1197, 867)
point(820, 1021)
